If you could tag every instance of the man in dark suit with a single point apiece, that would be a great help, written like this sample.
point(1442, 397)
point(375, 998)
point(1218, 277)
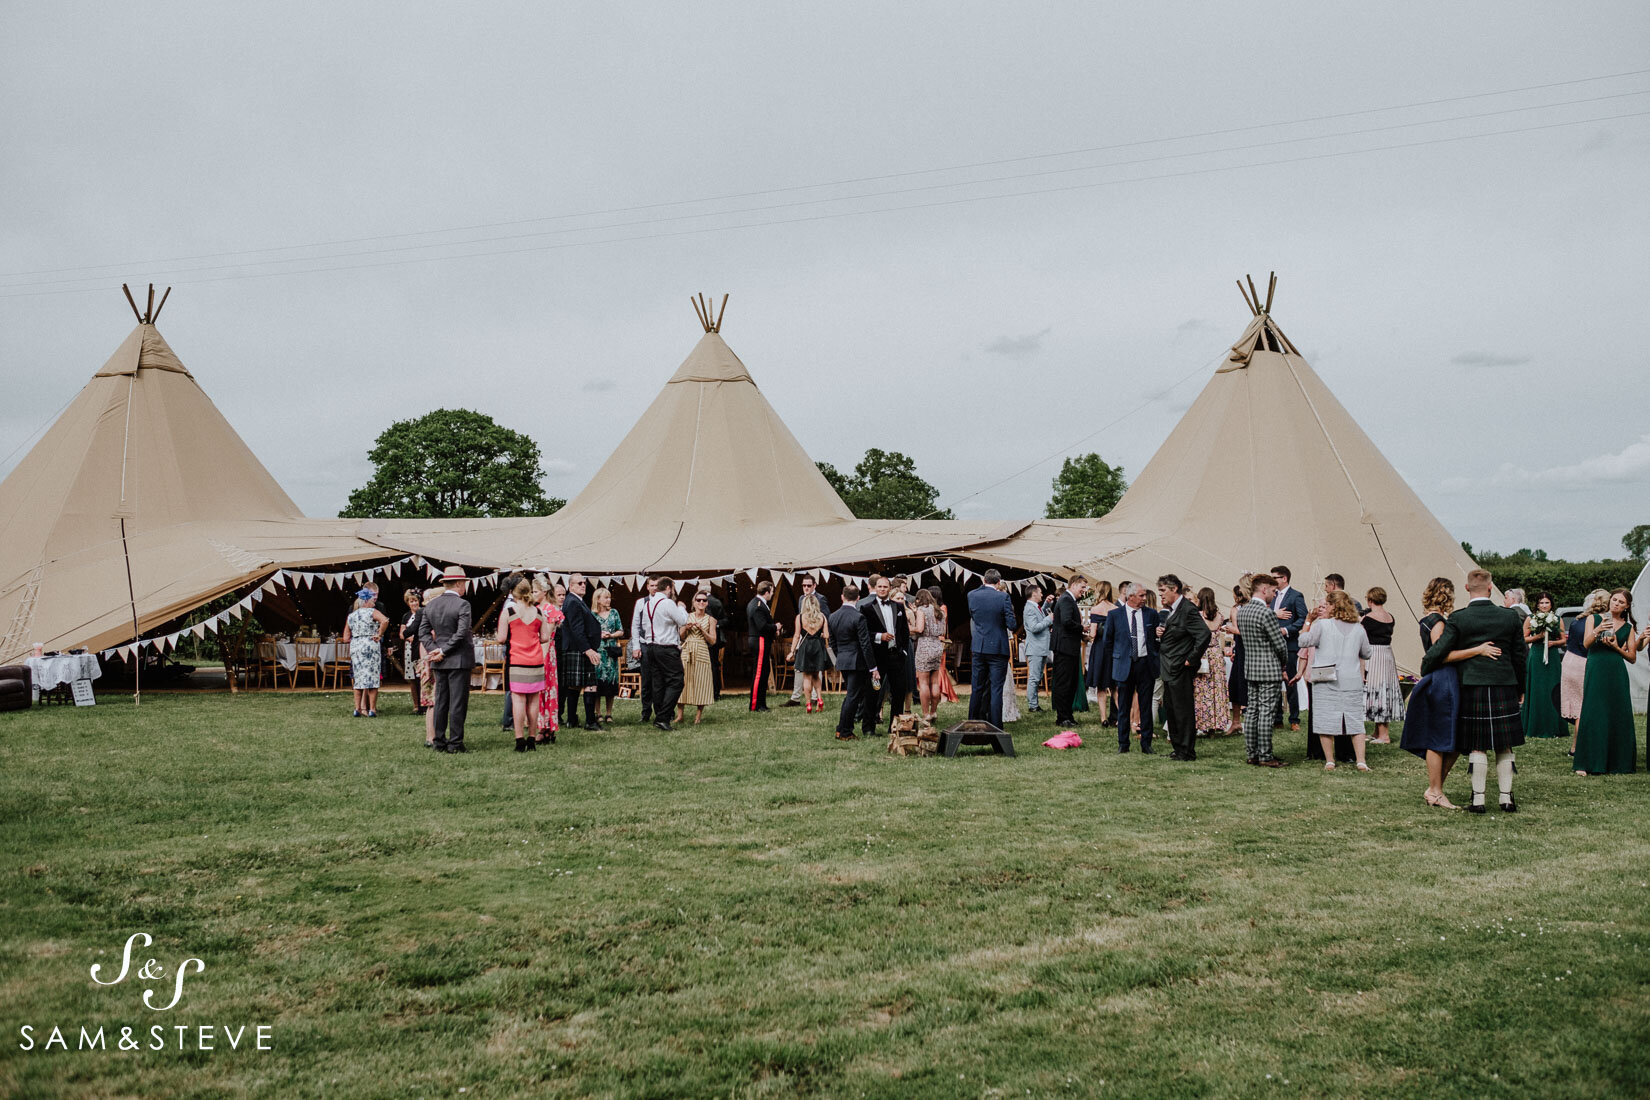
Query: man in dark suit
point(764, 633)
point(583, 634)
point(1290, 607)
point(445, 636)
point(1183, 637)
point(1488, 642)
point(1128, 642)
point(991, 617)
point(1066, 643)
point(890, 639)
point(851, 642)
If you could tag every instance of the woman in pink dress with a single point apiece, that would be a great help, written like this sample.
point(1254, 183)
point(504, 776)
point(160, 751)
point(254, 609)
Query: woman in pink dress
point(549, 698)
point(1210, 702)
point(522, 627)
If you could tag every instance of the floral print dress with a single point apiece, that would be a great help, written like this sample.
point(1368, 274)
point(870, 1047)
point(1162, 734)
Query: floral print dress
point(549, 698)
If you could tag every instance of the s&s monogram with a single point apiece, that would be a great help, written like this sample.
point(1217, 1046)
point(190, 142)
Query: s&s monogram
point(150, 971)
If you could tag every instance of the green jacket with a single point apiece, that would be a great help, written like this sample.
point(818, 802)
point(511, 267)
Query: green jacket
point(1482, 621)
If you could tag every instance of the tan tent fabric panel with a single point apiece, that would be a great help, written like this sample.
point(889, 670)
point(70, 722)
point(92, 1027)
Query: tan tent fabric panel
point(1265, 468)
point(142, 442)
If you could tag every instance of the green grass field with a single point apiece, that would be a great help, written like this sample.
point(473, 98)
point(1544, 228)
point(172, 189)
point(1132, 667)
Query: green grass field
point(753, 909)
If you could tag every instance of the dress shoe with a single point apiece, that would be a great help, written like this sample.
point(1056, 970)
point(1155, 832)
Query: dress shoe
point(592, 727)
point(662, 726)
point(846, 737)
point(1508, 806)
point(1255, 760)
point(455, 749)
point(1148, 750)
point(1273, 762)
point(1122, 750)
point(760, 710)
point(1477, 807)
point(792, 703)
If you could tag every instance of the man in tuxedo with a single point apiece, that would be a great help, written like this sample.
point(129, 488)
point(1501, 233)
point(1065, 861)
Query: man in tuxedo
point(991, 616)
point(890, 638)
point(1066, 642)
point(1492, 686)
point(1183, 637)
point(1290, 608)
point(764, 634)
point(851, 642)
point(445, 635)
point(1128, 643)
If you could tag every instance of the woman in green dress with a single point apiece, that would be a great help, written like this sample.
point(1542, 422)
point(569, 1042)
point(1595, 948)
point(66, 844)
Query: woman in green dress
point(607, 668)
point(1544, 634)
point(1604, 734)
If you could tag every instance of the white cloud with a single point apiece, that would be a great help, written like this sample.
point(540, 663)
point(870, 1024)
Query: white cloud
point(1630, 463)
point(1488, 359)
point(555, 466)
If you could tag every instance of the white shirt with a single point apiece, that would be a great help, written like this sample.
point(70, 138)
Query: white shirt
point(887, 611)
point(664, 620)
point(1277, 600)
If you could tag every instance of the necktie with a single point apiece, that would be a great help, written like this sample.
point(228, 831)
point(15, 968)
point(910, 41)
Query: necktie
point(1139, 637)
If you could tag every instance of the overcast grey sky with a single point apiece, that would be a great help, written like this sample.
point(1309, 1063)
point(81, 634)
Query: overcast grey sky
point(1479, 304)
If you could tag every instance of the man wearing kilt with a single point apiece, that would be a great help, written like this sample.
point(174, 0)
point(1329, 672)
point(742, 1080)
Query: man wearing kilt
point(581, 634)
point(1488, 641)
point(1264, 652)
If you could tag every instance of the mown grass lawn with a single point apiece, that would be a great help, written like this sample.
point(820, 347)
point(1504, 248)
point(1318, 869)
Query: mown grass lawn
point(753, 909)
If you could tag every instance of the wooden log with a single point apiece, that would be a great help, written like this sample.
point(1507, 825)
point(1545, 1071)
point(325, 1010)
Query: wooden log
point(1253, 292)
point(1271, 289)
point(149, 315)
point(132, 302)
point(722, 314)
point(1245, 294)
point(162, 305)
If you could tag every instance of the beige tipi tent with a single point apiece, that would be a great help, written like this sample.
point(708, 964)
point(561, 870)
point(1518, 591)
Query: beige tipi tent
point(708, 480)
point(142, 502)
point(1265, 468)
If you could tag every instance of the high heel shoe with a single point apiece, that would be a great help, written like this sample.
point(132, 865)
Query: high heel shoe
point(521, 744)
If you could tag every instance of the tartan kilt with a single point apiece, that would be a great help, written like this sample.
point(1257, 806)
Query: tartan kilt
point(574, 672)
point(1490, 720)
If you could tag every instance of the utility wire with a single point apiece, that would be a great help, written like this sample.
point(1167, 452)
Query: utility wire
point(793, 204)
point(872, 210)
point(847, 181)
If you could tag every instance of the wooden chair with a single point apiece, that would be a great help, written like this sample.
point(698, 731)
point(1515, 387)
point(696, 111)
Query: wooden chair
point(336, 669)
point(830, 680)
point(781, 674)
point(1019, 671)
point(629, 678)
point(492, 663)
point(308, 651)
point(265, 662)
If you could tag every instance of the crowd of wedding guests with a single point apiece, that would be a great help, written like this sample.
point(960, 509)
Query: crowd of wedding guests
point(1493, 675)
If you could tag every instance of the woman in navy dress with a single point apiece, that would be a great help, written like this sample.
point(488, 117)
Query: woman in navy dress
point(1435, 702)
point(1237, 685)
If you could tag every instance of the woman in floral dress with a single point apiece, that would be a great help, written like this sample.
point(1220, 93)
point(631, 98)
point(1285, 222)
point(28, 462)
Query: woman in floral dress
point(1211, 704)
point(607, 669)
point(549, 697)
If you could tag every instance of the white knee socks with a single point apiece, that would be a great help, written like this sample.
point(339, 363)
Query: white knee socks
point(1504, 774)
point(1478, 766)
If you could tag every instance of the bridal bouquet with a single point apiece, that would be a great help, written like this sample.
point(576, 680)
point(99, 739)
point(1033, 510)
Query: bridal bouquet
point(1545, 623)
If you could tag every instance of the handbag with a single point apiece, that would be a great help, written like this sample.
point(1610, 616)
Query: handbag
point(1321, 674)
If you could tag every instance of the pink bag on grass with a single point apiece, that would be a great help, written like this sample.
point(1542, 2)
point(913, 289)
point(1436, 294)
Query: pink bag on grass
point(1066, 740)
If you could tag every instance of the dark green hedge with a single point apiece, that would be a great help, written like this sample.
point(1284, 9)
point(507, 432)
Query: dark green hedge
point(1568, 581)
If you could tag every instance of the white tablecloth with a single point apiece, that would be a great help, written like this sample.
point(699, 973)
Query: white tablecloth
point(48, 672)
point(286, 653)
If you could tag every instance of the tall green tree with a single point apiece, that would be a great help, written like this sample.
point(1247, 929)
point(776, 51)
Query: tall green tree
point(885, 485)
point(1637, 542)
point(1086, 487)
point(452, 463)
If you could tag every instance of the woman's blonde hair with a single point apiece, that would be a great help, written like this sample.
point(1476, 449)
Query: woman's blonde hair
point(1598, 601)
point(1439, 595)
point(523, 591)
point(1102, 592)
point(1341, 606)
point(597, 596)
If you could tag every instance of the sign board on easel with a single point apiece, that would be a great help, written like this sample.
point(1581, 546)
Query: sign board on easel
point(83, 694)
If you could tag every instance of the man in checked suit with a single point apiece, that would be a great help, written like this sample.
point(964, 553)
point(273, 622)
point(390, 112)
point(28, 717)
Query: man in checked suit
point(1264, 652)
point(1128, 642)
point(1184, 638)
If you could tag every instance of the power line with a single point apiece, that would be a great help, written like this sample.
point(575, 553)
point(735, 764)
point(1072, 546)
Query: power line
point(1306, 158)
point(844, 182)
point(1042, 173)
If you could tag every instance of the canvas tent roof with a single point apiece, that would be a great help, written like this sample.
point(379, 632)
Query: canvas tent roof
point(1266, 467)
point(143, 444)
point(708, 480)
